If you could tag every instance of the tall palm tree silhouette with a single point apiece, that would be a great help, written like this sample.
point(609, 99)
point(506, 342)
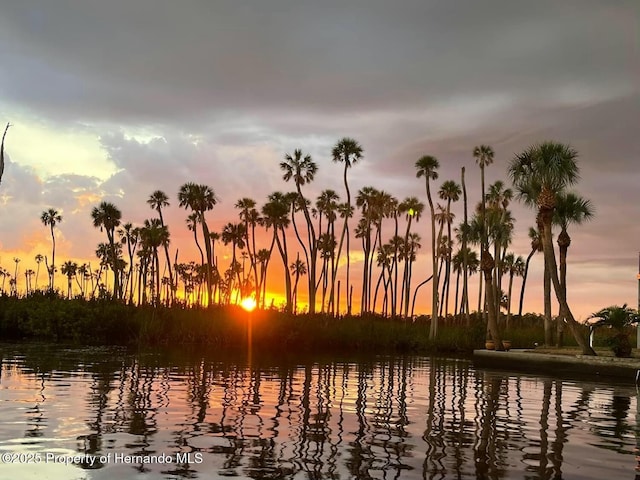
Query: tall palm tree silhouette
point(347, 151)
point(51, 218)
point(484, 157)
point(570, 209)
point(129, 236)
point(200, 199)
point(234, 234)
point(540, 174)
point(449, 191)
point(412, 208)
point(275, 215)
point(107, 216)
point(427, 167)
point(250, 216)
point(39, 259)
point(302, 169)
point(158, 200)
point(154, 235)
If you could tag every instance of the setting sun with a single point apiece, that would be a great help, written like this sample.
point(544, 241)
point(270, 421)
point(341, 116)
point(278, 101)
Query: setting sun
point(248, 304)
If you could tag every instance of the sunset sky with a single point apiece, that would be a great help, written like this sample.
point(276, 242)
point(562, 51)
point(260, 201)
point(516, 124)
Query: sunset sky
point(115, 99)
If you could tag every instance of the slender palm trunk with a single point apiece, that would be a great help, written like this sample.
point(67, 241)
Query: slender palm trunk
point(434, 263)
point(480, 285)
point(465, 257)
point(483, 238)
point(564, 241)
point(342, 237)
point(166, 253)
point(282, 248)
point(376, 243)
point(157, 280)
point(114, 264)
point(52, 273)
point(455, 311)
point(207, 246)
point(447, 277)
point(548, 332)
point(405, 273)
point(561, 295)
point(509, 301)
point(492, 324)
point(524, 281)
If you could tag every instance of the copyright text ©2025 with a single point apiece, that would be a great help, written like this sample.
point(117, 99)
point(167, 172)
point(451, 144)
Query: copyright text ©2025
point(91, 460)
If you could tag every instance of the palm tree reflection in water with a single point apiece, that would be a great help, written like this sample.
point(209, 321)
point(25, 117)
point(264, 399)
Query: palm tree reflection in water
point(394, 418)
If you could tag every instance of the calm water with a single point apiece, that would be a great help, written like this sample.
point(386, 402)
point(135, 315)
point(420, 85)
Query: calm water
point(137, 416)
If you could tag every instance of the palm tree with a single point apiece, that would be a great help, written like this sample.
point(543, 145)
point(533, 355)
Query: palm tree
point(302, 170)
point(536, 246)
point(250, 216)
point(540, 174)
point(458, 262)
point(499, 227)
point(366, 201)
point(484, 157)
point(69, 269)
point(618, 318)
point(327, 207)
point(15, 274)
point(129, 236)
point(383, 259)
point(428, 168)
point(570, 209)
point(157, 200)
point(153, 235)
point(298, 268)
point(449, 191)
point(498, 224)
point(28, 274)
point(234, 234)
point(515, 267)
point(84, 271)
point(275, 215)
point(107, 216)
point(51, 218)
point(39, 258)
point(465, 250)
point(412, 208)
point(349, 152)
point(200, 199)
point(262, 258)
point(192, 225)
point(4, 274)
point(411, 246)
point(444, 246)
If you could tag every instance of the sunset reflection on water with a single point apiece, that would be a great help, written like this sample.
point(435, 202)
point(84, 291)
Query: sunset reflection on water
point(392, 417)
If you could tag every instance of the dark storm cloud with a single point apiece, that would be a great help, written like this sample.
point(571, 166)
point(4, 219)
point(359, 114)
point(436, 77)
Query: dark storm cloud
point(187, 61)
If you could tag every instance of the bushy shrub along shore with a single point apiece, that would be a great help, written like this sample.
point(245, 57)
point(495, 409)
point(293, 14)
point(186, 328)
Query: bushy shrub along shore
point(51, 318)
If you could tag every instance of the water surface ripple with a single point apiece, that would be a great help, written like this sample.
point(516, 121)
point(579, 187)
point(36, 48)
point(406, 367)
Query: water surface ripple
point(159, 415)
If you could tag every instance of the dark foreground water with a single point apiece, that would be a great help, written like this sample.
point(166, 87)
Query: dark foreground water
point(108, 414)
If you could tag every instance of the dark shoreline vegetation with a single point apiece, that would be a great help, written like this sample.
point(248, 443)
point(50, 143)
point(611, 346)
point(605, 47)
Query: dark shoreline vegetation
point(48, 317)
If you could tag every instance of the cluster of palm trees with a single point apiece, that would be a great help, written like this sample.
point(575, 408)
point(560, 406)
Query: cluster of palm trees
point(322, 231)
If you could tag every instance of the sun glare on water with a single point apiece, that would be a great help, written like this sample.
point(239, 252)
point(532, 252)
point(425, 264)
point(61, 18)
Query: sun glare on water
point(248, 304)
